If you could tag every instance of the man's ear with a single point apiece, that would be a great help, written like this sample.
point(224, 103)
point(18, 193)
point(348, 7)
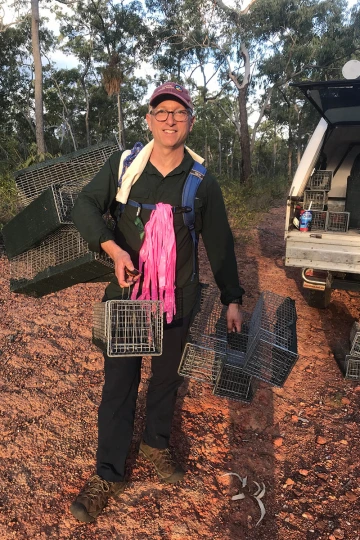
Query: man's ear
point(148, 120)
point(192, 122)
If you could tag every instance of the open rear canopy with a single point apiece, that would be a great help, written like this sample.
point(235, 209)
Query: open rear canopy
point(337, 101)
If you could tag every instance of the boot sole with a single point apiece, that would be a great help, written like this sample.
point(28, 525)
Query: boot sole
point(172, 479)
point(79, 512)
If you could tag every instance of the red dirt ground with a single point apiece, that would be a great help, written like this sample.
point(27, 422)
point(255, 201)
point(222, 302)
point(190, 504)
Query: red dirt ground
point(302, 441)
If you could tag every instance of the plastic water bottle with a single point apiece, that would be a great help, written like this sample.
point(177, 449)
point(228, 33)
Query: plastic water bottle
point(305, 221)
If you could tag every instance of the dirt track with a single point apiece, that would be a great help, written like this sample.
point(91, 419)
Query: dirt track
point(302, 441)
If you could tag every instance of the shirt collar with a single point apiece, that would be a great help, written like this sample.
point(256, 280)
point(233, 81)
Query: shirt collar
point(184, 166)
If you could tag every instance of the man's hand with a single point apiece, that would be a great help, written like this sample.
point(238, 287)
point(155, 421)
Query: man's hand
point(234, 318)
point(122, 262)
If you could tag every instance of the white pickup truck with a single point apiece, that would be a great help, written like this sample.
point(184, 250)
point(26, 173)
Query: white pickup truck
point(328, 179)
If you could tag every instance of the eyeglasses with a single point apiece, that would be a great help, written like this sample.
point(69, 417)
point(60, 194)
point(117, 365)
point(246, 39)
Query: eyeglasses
point(179, 116)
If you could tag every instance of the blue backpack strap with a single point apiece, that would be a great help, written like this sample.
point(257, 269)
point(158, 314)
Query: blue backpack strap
point(191, 185)
point(187, 208)
point(137, 205)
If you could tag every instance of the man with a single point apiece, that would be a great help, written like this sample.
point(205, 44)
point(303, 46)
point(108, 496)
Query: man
point(157, 174)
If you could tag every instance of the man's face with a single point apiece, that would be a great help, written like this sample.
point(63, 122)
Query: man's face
point(171, 133)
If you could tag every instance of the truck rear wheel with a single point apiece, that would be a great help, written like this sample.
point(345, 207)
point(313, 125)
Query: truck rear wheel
point(318, 299)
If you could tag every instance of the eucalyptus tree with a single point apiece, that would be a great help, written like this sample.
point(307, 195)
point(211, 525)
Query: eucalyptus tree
point(117, 40)
point(17, 126)
point(22, 6)
point(307, 40)
point(259, 49)
point(38, 81)
point(181, 53)
point(17, 106)
point(207, 32)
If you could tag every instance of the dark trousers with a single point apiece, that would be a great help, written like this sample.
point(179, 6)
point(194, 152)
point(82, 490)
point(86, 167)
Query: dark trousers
point(117, 408)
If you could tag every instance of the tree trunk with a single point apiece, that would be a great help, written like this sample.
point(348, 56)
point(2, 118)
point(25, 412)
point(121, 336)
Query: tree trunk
point(206, 153)
point(244, 138)
point(232, 158)
point(87, 127)
point(290, 152)
point(39, 114)
point(219, 132)
point(87, 103)
point(122, 141)
point(274, 149)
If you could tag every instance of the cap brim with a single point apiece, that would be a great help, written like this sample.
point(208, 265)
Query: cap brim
point(163, 97)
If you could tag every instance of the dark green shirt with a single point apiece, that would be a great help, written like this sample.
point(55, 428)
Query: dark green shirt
point(151, 187)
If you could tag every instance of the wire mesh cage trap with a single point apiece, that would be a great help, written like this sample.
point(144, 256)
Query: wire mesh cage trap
point(61, 260)
point(78, 166)
point(205, 357)
point(41, 217)
point(128, 327)
point(272, 344)
point(317, 199)
point(352, 367)
point(319, 219)
point(349, 365)
point(337, 221)
point(355, 339)
point(65, 196)
point(320, 180)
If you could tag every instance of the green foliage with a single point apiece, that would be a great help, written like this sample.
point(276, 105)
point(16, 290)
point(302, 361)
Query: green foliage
point(194, 42)
point(244, 205)
point(8, 199)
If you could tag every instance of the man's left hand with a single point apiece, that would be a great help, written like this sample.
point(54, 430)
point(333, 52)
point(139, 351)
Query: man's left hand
point(234, 318)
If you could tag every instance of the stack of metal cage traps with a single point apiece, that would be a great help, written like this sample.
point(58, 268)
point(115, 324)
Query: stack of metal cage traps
point(350, 363)
point(45, 250)
point(232, 363)
point(316, 195)
point(317, 189)
point(128, 327)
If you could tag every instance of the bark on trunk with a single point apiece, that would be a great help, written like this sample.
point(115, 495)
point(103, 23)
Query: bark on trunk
point(39, 115)
point(219, 140)
point(290, 152)
point(232, 159)
point(87, 104)
point(244, 138)
point(122, 141)
point(274, 149)
point(206, 153)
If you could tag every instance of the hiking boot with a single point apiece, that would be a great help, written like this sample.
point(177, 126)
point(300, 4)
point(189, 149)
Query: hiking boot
point(93, 498)
point(167, 469)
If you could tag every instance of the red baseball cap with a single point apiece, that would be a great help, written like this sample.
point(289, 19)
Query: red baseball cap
point(172, 90)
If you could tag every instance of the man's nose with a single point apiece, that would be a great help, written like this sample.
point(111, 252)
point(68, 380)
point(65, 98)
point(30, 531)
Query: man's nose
point(170, 119)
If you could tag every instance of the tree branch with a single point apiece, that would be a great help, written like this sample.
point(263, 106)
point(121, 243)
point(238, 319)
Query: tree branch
point(234, 13)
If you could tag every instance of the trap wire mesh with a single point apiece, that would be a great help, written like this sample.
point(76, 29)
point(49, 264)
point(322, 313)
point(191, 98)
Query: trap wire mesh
point(319, 219)
point(351, 367)
point(320, 180)
point(80, 166)
point(337, 221)
point(57, 249)
point(65, 197)
point(128, 327)
point(272, 344)
point(205, 357)
point(355, 339)
point(318, 199)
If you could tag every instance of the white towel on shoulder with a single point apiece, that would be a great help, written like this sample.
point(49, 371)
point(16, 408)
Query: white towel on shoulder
point(132, 174)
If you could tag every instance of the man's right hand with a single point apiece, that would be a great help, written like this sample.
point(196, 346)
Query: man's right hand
point(122, 262)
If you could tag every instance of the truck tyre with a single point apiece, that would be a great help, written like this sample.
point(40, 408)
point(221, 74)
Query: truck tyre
point(318, 299)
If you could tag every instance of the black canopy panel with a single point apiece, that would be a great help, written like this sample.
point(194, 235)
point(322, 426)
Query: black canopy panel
point(337, 101)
